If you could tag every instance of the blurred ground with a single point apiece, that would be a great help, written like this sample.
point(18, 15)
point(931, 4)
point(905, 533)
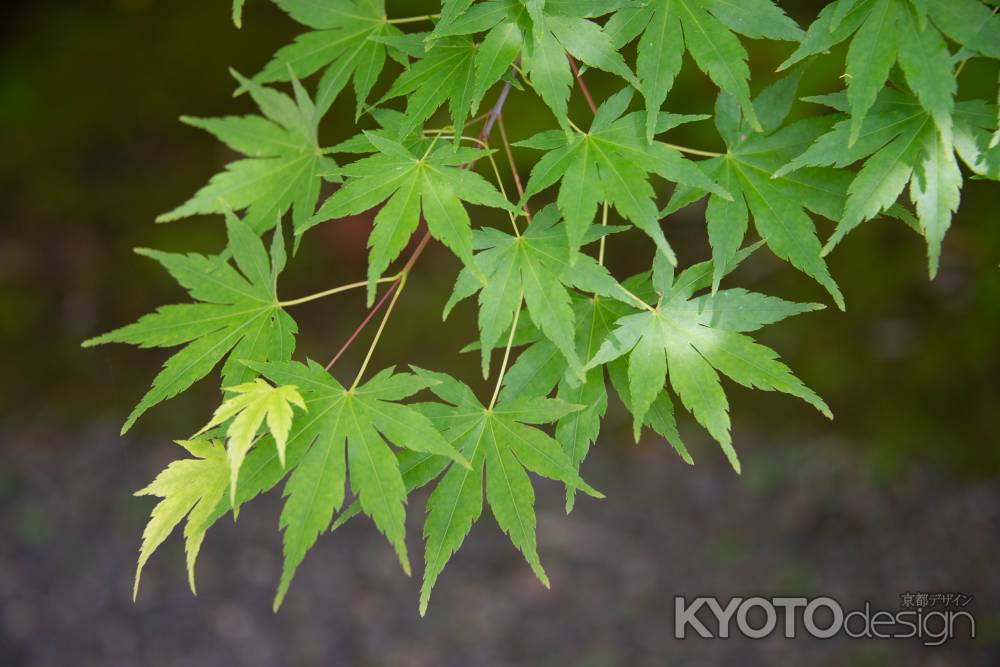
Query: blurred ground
point(897, 494)
point(804, 520)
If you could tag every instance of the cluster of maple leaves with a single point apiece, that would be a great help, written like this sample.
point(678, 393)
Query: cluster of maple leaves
point(657, 336)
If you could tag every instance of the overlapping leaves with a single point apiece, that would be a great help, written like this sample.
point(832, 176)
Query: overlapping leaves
point(542, 368)
point(611, 163)
point(430, 183)
point(345, 431)
point(691, 339)
point(348, 40)
point(533, 268)
point(899, 144)
point(502, 444)
point(705, 28)
point(779, 204)
point(237, 314)
point(253, 404)
point(189, 490)
point(909, 32)
point(543, 33)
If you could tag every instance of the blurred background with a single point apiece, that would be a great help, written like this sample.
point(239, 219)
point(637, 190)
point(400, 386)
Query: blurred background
point(898, 494)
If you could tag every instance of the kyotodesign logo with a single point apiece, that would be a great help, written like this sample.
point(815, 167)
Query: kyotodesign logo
point(934, 619)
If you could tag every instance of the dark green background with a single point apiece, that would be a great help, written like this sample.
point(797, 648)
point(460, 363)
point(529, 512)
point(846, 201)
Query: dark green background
point(898, 493)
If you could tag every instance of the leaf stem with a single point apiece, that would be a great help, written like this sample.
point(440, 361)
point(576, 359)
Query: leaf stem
point(503, 190)
point(604, 223)
point(334, 290)
point(364, 323)
point(448, 128)
point(431, 147)
point(506, 352)
point(448, 134)
point(692, 151)
point(413, 19)
point(638, 300)
point(397, 289)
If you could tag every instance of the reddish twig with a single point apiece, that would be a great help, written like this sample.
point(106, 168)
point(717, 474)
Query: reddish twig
point(368, 318)
point(583, 86)
point(513, 166)
point(491, 120)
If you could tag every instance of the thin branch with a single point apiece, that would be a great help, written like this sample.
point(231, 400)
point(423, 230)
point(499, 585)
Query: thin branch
point(368, 318)
point(493, 115)
point(513, 166)
point(583, 86)
point(503, 190)
point(425, 239)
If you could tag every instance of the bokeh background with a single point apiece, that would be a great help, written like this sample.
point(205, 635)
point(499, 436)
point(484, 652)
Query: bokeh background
point(898, 494)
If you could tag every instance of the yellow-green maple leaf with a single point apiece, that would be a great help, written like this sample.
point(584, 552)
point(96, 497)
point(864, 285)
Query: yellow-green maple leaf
point(254, 403)
point(189, 488)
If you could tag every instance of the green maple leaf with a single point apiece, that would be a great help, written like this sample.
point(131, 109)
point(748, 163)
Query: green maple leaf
point(253, 403)
point(908, 32)
point(237, 314)
point(531, 267)
point(691, 339)
point(611, 163)
point(543, 33)
point(343, 431)
point(462, 17)
point(413, 183)
point(900, 145)
point(542, 368)
point(348, 40)
point(545, 58)
point(189, 488)
point(751, 171)
point(501, 446)
point(283, 168)
point(445, 74)
point(706, 28)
